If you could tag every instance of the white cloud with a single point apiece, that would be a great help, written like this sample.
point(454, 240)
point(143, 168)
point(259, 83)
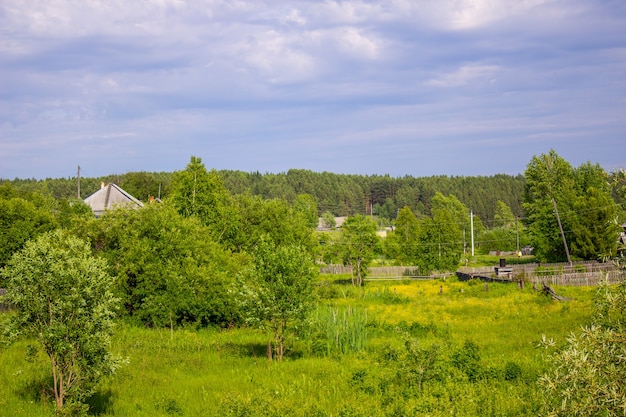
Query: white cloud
point(466, 74)
point(294, 17)
point(277, 57)
point(357, 44)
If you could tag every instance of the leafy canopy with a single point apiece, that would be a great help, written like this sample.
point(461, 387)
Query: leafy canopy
point(63, 299)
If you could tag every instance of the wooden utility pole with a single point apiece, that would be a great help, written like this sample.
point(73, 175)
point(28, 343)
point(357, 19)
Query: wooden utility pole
point(558, 219)
point(79, 182)
point(472, 229)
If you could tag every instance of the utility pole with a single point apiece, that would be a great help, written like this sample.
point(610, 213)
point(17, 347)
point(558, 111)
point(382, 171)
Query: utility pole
point(79, 182)
point(558, 219)
point(472, 229)
point(517, 232)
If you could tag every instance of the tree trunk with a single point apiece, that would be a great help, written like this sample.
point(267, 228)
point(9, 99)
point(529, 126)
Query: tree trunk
point(58, 384)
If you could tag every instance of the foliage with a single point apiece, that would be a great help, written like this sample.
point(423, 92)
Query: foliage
point(169, 270)
point(589, 372)
point(306, 206)
point(420, 364)
point(71, 211)
point(358, 245)
point(275, 218)
point(277, 290)
point(402, 244)
point(342, 195)
point(581, 197)
point(467, 360)
point(20, 221)
point(441, 243)
point(328, 220)
point(63, 299)
point(201, 194)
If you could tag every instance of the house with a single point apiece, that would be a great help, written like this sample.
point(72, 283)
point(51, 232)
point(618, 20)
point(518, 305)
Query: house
point(110, 196)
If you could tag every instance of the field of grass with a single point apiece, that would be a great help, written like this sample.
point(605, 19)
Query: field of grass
point(390, 349)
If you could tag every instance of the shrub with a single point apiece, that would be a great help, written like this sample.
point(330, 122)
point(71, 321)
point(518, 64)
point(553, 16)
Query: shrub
point(512, 371)
point(467, 360)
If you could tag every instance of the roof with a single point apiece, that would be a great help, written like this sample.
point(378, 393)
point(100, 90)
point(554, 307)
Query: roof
point(110, 196)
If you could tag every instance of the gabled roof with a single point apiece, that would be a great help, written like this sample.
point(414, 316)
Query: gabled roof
point(110, 196)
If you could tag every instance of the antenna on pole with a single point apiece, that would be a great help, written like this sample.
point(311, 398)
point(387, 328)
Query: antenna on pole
point(78, 182)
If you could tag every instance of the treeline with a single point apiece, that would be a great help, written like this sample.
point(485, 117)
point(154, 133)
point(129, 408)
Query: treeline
point(339, 194)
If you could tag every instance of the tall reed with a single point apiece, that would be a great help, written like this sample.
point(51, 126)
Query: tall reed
point(337, 330)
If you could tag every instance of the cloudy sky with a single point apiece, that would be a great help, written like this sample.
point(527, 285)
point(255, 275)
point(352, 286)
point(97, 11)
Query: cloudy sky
point(399, 87)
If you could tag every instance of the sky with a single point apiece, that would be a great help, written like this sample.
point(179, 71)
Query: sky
point(398, 87)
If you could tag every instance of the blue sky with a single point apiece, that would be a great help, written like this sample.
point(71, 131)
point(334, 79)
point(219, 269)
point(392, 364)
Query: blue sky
point(399, 87)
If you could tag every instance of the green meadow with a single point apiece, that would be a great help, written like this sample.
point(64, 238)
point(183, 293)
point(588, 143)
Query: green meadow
point(395, 348)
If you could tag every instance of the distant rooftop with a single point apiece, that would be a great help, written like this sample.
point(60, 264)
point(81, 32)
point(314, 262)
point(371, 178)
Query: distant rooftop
point(110, 196)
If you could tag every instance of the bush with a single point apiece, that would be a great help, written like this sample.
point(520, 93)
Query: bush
point(512, 371)
point(467, 360)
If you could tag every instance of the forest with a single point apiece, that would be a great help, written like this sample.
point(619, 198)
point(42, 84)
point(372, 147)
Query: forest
point(225, 254)
point(339, 194)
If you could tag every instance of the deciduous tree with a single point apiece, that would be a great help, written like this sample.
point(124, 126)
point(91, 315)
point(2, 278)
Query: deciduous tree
point(358, 245)
point(63, 299)
point(277, 290)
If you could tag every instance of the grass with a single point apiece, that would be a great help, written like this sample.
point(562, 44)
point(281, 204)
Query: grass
point(226, 373)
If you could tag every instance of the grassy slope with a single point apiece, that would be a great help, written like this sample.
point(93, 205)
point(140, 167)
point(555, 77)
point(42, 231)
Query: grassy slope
point(212, 372)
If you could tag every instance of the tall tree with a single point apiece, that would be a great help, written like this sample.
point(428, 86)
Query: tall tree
point(358, 245)
point(548, 199)
point(197, 192)
point(305, 205)
point(503, 216)
point(404, 239)
point(569, 211)
point(440, 242)
point(63, 298)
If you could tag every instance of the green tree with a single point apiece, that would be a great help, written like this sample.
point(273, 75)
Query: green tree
point(358, 245)
point(404, 240)
point(549, 190)
point(277, 290)
point(275, 218)
point(199, 193)
point(63, 298)
point(169, 270)
point(503, 216)
point(580, 199)
point(328, 220)
point(440, 241)
point(72, 210)
point(588, 374)
point(20, 221)
point(306, 206)
point(386, 210)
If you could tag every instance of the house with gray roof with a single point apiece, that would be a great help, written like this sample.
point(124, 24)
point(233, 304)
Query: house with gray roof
point(110, 196)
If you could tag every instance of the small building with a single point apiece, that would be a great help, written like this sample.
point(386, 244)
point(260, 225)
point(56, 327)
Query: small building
point(110, 196)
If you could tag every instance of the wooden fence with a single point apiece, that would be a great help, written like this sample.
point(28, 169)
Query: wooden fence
point(381, 273)
point(580, 279)
point(577, 274)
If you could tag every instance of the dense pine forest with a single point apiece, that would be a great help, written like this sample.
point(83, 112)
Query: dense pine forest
point(339, 194)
